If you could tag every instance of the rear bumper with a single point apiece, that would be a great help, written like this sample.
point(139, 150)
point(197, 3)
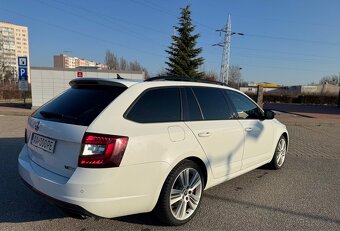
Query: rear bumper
point(69, 207)
point(109, 192)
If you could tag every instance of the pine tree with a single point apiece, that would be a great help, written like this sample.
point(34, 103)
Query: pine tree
point(183, 56)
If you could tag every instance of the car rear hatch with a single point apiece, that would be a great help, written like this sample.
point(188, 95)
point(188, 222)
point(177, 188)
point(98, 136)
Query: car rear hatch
point(55, 131)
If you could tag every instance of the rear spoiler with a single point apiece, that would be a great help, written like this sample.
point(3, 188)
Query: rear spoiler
point(95, 82)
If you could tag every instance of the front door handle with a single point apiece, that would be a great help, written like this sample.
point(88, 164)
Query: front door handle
point(204, 134)
point(248, 129)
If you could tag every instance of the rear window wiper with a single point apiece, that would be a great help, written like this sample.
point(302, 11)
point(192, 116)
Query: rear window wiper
point(48, 114)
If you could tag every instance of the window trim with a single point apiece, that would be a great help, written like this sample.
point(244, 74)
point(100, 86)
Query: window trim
point(126, 113)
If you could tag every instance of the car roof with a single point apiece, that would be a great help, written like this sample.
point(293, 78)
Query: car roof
point(147, 84)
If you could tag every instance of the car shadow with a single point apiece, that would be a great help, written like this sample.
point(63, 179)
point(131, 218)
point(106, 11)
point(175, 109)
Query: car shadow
point(18, 203)
point(297, 109)
point(141, 219)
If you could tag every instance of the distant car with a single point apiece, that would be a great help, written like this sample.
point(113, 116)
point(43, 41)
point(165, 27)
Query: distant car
point(114, 147)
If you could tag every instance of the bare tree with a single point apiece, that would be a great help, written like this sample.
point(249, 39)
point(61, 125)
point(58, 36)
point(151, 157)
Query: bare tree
point(146, 73)
point(123, 64)
point(135, 66)
point(235, 76)
point(330, 79)
point(111, 60)
point(210, 75)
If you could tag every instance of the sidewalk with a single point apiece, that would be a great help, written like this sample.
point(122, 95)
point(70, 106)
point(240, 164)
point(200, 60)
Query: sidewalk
point(15, 111)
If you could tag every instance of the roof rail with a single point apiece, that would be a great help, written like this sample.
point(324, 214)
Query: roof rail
point(187, 79)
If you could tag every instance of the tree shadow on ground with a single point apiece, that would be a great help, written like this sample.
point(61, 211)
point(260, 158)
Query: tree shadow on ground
point(302, 108)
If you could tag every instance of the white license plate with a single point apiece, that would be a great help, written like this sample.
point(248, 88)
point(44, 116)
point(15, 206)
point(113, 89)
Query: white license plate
point(43, 142)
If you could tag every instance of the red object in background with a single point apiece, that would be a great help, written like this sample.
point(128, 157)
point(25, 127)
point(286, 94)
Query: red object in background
point(80, 74)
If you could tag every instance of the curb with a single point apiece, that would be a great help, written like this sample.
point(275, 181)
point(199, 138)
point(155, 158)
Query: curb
point(315, 124)
point(14, 113)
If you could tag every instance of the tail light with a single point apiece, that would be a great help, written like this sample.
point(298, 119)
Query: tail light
point(102, 151)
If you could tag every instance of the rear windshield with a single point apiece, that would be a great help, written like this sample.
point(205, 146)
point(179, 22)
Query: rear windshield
point(79, 105)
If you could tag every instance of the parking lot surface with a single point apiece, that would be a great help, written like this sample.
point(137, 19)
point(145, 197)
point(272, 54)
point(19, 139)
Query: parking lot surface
point(303, 195)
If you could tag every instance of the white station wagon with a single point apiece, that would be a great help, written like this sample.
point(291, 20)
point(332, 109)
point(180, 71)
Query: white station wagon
point(113, 147)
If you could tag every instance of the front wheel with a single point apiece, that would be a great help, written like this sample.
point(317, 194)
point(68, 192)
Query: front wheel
point(181, 194)
point(280, 154)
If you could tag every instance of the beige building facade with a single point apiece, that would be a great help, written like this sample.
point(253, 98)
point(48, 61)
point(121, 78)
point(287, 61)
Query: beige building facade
point(65, 61)
point(14, 42)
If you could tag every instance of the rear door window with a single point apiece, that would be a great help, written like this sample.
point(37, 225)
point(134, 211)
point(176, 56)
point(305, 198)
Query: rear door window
point(157, 105)
point(79, 105)
point(213, 103)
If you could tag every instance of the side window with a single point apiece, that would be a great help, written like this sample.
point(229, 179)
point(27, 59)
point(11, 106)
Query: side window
point(213, 103)
point(157, 105)
point(245, 108)
point(191, 110)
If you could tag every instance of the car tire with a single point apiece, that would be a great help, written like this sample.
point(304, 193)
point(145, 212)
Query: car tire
point(181, 194)
point(280, 154)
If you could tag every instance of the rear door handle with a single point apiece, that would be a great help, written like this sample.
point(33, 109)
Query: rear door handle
point(248, 129)
point(204, 134)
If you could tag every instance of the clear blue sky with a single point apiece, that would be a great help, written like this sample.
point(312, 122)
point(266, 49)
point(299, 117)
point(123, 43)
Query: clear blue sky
point(286, 42)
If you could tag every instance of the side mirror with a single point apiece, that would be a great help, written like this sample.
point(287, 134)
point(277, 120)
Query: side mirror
point(269, 114)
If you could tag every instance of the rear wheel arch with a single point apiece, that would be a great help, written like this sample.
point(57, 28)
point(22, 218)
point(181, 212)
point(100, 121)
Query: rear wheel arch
point(202, 166)
point(163, 210)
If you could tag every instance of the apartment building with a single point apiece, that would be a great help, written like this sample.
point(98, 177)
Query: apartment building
point(65, 61)
point(14, 42)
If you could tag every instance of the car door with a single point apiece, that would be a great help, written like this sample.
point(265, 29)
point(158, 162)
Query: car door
point(258, 132)
point(208, 115)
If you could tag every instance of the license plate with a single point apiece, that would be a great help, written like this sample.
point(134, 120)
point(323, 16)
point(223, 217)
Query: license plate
point(43, 142)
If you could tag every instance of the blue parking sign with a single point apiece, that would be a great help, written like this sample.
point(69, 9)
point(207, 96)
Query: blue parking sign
point(22, 61)
point(22, 73)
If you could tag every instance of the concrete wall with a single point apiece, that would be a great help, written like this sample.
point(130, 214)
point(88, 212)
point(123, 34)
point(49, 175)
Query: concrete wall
point(325, 89)
point(50, 82)
point(254, 89)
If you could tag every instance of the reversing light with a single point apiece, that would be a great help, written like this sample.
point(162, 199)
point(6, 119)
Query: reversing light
point(102, 151)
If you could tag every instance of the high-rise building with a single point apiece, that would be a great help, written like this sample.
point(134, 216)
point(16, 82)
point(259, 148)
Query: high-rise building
point(65, 61)
point(13, 43)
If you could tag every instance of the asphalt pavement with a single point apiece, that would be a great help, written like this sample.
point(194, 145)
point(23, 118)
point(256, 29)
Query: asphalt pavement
point(303, 195)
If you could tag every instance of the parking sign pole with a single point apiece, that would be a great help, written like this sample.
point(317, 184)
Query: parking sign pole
point(23, 76)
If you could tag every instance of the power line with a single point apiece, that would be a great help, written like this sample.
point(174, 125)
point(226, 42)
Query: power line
point(287, 53)
point(166, 11)
point(285, 68)
point(110, 17)
point(250, 55)
point(287, 21)
point(123, 30)
point(252, 35)
point(294, 39)
point(80, 33)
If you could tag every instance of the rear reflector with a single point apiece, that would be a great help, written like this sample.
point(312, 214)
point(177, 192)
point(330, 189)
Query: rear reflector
point(102, 151)
point(25, 135)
